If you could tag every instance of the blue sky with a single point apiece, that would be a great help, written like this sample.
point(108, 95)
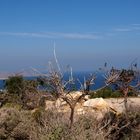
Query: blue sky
point(87, 33)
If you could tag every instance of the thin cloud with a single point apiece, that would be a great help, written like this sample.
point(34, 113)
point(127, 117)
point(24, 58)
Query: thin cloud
point(76, 35)
point(26, 34)
point(136, 28)
point(85, 36)
point(54, 35)
point(123, 29)
point(130, 28)
point(136, 24)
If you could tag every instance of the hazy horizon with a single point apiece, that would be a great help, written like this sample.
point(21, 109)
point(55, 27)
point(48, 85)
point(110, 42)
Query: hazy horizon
point(87, 33)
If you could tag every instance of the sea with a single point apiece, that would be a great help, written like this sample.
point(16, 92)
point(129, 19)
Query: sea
point(78, 76)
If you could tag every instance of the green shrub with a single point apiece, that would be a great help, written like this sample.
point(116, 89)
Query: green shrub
point(21, 91)
point(15, 85)
point(116, 94)
point(108, 93)
point(104, 93)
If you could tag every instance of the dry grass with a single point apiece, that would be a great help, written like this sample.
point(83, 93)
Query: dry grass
point(18, 124)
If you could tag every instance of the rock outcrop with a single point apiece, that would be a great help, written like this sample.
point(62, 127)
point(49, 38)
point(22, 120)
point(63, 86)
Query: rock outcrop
point(97, 103)
point(98, 106)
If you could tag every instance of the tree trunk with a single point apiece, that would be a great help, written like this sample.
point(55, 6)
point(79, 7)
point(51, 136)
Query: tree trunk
point(125, 102)
point(72, 115)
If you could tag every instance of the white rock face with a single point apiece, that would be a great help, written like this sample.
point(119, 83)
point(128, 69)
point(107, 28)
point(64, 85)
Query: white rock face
point(49, 104)
point(75, 94)
point(87, 97)
point(80, 111)
point(97, 103)
point(60, 102)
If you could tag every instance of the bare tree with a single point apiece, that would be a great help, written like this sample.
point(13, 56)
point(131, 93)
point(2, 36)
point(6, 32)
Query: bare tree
point(121, 80)
point(59, 87)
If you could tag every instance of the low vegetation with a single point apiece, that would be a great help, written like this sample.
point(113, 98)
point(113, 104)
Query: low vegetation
point(19, 124)
point(23, 113)
point(108, 92)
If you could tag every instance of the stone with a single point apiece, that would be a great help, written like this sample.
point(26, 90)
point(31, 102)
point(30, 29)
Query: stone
point(80, 111)
point(75, 94)
point(49, 104)
point(60, 102)
point(86, 97)
point(97, 103)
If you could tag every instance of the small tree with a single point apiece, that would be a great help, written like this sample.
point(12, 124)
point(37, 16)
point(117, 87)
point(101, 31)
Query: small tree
point(121, 80)
point(23, 91)
point(31, 95)
point(15, 85)
point(57, 86)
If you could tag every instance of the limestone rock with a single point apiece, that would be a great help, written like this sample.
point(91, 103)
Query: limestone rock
point(97, 103)
point(75, 94)
point(80, 111)
point(87, 97)
point(60, 102)
point(49, 104)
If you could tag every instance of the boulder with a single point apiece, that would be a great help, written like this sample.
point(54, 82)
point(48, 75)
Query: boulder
point(60, 102)
point(97, 103)
point(75, 94)
point(115, 106)
point(49, 104)
point(80, 111)
point(86, 97)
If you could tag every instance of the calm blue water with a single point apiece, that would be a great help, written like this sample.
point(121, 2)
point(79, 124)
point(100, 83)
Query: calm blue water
point(2, 83)
point(99, 82)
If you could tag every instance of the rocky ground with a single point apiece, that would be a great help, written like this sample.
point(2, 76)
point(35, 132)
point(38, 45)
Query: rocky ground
point(98, 106)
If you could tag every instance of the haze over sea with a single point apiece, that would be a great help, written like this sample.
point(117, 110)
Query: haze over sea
point(99, 82)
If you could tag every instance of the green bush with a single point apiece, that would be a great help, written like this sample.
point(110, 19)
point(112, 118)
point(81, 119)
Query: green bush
point(109, 93)
point(106, 93)
point(21, 91)
point(15, 85)
point(116, 94)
